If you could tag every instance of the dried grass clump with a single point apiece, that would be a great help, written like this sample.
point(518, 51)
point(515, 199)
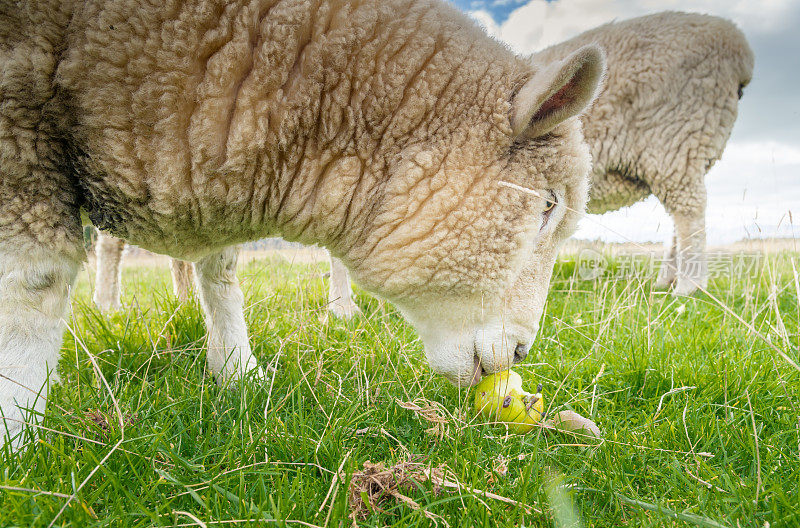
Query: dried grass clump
point(376, 484)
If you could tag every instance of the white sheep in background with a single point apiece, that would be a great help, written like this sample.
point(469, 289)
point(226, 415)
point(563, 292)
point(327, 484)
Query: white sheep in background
point(385, 130)
point(667, 108)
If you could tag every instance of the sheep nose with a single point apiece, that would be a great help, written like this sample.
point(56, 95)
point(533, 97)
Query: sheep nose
point(521, 352)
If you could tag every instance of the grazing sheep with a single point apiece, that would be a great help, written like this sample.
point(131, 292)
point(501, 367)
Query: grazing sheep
point(666, 110)
point(661, 121)
point(443, 170)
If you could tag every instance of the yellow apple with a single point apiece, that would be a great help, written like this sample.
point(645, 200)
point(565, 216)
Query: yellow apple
point(500, 398)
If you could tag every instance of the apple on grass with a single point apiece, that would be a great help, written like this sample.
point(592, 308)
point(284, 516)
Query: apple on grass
point(500, 398)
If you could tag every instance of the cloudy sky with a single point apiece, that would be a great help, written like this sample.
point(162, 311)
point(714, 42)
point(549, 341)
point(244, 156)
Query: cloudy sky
point(755, 189)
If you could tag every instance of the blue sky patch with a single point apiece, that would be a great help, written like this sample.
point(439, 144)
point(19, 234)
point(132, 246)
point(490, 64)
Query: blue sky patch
point(499, 9)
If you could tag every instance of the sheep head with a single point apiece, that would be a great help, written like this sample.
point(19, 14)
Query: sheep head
point(466, 234)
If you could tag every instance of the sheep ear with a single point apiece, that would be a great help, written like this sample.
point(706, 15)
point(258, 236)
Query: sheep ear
point(557, 92)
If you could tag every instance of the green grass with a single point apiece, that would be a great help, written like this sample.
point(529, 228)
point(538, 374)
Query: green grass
point(725, 451)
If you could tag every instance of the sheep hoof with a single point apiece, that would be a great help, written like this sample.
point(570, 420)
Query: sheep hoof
point(664, 283)
point(344, 311)
point(686, 287)
point(683, 292)
point(666, 277)
point(230, 376)
point(108, 306)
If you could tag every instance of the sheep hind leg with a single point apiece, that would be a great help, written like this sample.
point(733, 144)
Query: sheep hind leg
point(229, 356)
point(691, 256)
point(669, 266)
point(182, 273)
point(34, 294)
point(340, 294)
point(109, 267)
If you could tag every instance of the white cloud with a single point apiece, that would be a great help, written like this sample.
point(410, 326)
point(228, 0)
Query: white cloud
point(768, 153)
point(540, 23)
point(485, 19)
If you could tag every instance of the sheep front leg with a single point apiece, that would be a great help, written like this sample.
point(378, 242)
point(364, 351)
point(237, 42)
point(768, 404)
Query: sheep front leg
point(669, 266)
point(690, 231)
point(229, 356)
point(34, 294)
point(107, 280)
point(182, 273)
point(340, 294)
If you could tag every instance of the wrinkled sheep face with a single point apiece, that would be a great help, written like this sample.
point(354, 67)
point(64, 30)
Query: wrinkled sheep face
point(473, 251)
point(481, 275)
point(466, 234)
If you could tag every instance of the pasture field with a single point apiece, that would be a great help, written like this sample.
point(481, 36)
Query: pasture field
point(699, 405)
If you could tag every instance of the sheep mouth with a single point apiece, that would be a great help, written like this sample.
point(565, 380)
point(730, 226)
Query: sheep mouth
point(478, 372)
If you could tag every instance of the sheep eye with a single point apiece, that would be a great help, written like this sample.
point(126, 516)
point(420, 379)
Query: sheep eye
point(740, 93)
point(550, 202)
point(549, 205)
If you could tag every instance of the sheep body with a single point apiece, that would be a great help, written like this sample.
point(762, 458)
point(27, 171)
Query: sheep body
point(387, 130)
